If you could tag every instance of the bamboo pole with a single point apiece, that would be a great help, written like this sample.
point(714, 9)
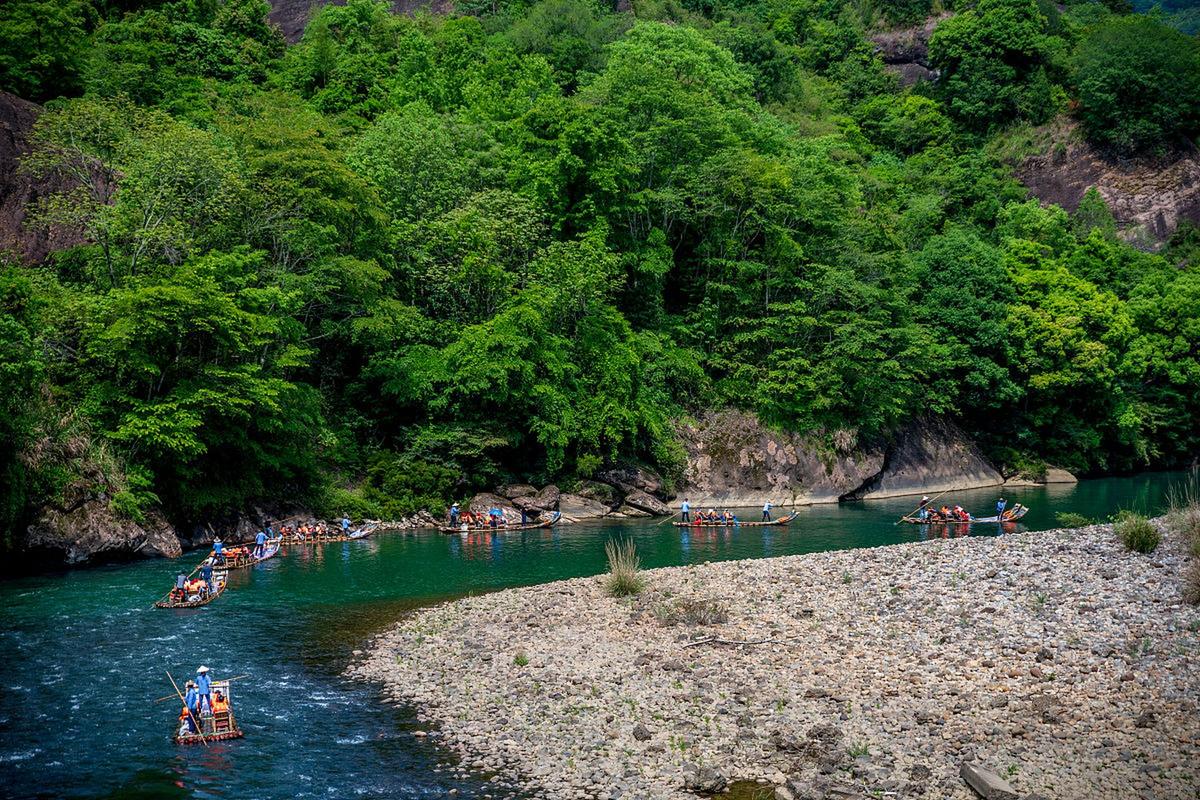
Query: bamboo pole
point(918, 508)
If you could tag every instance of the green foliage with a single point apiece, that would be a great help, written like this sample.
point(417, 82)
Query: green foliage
point(1138, 83)
point(409, 257)
point(994, 60)
point(43, 44)
point(1069, 519)
point(1136, 532)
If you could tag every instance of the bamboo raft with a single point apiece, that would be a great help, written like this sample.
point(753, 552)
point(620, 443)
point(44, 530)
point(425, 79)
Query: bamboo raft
point(720, 523)
point(217, 727)
point(1013, 515)
point(220, 578)
point(270, 550)
point(358, 533)
point(488, 528)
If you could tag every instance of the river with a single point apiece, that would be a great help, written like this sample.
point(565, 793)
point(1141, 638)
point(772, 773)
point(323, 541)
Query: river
point(85, 654)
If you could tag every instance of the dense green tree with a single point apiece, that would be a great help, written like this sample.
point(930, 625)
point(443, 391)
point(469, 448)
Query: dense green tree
point(993, 59)
point(1138, 83)
point(43, 44)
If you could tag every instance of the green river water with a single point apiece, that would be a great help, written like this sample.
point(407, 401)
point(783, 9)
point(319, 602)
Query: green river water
point(85, 654)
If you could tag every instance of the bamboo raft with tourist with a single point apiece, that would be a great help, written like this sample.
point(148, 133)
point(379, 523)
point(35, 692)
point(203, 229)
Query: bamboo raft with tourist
point(321, 533)
point(493, 521)
point(727, 519)
point(191, 592)
point(927, 514)
point(207, 712)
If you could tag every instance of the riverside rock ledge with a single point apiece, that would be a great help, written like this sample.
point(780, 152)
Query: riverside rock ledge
point(1058, 660)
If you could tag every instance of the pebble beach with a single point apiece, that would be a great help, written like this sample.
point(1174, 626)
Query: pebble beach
point(1058, 660)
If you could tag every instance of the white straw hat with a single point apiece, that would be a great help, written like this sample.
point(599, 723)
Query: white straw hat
point(202, 669)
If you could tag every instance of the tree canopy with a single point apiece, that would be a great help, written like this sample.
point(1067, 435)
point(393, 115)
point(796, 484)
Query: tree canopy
point(409, 257)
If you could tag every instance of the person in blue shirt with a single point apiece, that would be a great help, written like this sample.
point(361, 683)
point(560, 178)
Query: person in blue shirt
point(204, 690)
point(1001, 504)
point(494, 517)
point(345, 524)
point(767, 511)
point(206, 574)
point(260, 542)
point(454, 515)
point(191, 699)
point(219, 550)
point(685, 509)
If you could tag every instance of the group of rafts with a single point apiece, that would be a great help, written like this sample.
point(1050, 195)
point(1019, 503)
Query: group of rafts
point(208, 580)
point(211, 717)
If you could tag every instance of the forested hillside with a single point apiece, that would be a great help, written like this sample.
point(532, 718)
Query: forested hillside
point(412, 256)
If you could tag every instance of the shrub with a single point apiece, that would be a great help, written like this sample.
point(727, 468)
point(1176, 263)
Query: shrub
point(521, 660)
point(1137, 532)
point(1069, 519)
point(693, 611)
point(623, 564)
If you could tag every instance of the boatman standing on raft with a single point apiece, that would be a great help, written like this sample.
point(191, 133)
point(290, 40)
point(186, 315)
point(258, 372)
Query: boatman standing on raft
point(454, 515)
point(204, 689)
point(686, 507)
point(260, 542)
point(1001, 504)
point(767, 511)
point(345, 524)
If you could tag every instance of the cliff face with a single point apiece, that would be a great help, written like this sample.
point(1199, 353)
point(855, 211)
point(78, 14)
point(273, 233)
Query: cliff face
point(905, 51)
point(18, 190)
point(1148, 197)
point(734, 461)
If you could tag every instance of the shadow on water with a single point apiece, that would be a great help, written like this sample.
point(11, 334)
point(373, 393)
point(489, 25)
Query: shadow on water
point(85, 654)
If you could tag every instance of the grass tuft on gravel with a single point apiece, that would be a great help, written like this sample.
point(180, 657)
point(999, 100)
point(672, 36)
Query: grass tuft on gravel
point(623, 566)
point(1137, 532)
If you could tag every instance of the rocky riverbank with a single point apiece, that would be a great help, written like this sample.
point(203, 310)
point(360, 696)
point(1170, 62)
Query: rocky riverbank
point(1059, 660)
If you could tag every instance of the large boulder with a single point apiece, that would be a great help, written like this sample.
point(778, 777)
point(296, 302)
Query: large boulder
point(484, 501)
point(930, 456)
point(633, 479)
point(648, 503)
point(601, 493)
point(579, 507)
point(545, 500)
point(89, 529)
point(733, 460)
point(1052, 475)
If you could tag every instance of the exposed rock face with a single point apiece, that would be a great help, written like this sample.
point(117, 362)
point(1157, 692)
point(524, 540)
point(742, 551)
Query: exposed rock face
point(545, 500)
point(579, 507)
point(89, 529)
point(18, 190)
point(734, 461)
point(1053, 475)
point(631, 478)
point(905, 51)
point(647, 503)
point(1149, 198)
point(931, 456)
point(608, 496)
